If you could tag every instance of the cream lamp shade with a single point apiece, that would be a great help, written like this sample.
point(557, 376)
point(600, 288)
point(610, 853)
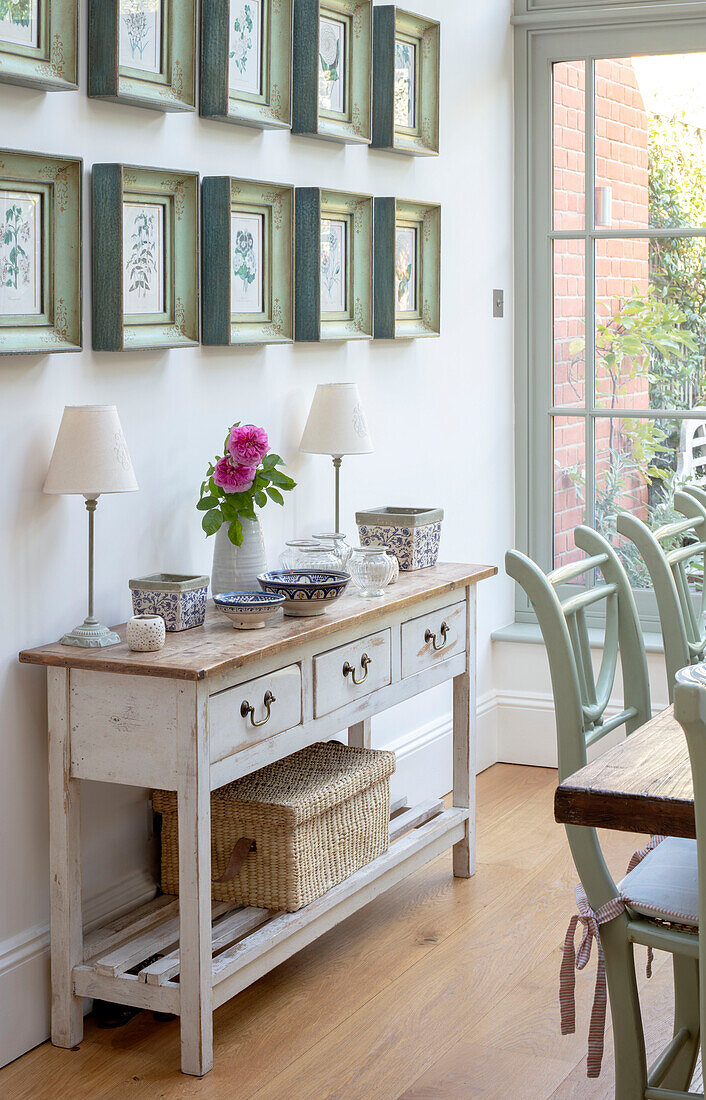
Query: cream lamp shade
point(336, 425)
point(90, 454)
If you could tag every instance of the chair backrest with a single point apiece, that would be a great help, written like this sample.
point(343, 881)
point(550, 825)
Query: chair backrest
point(669, 553)
point(691, 459)
point(581, 698)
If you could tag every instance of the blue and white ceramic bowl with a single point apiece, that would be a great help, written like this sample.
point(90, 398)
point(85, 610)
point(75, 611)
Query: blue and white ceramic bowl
point(306, 592)
point(249, 610)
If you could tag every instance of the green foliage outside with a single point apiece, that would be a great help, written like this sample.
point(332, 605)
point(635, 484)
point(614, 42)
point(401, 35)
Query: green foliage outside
point(660, 336)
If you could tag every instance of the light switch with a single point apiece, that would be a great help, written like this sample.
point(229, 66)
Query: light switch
point(498, 303)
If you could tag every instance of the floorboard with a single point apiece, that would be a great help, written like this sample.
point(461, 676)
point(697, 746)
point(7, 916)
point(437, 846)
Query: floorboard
point(440, 988)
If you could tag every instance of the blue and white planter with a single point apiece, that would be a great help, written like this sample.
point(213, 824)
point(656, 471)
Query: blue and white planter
point(180, 600)
point(413, 535)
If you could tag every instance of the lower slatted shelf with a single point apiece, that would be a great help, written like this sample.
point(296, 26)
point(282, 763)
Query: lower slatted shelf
point(135, 958)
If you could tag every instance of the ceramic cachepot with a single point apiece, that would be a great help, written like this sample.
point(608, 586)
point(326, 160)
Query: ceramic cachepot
point(236, 568)
point(179, 599)
point(145, 633)
point(413, 535)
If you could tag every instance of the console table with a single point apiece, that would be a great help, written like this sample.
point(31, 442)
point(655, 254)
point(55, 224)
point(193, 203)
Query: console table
point(184, 719)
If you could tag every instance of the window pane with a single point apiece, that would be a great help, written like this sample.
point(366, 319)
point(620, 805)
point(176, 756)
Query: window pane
point(569, 144)
point(638, 465)
point(650, 323)
point(569, 322)
point(650, 141)
point(569, 486)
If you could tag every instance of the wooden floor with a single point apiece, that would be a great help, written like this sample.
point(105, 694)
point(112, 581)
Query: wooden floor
point(440, 988)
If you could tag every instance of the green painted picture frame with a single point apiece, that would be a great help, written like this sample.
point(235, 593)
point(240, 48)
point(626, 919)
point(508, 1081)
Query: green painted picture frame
point(146, 258)
point(333, 281)
point(39, 48)
point(40, 253)
point(247, 289)
point(246, 62)
point(333, 53)
point(406, 71)
point(407, 269)
point(149, 62)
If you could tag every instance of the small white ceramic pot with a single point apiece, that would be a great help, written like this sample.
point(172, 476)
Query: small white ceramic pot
point(145, 633)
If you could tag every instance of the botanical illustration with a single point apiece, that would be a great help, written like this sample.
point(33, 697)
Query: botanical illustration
point(405, 269)
point(246, 285)
point(333, 266)
point(20, 253)
point(18, 21)
point(405, 64)
point(143, 257)
point(245, 46)
point(141, 35)
point(332, 53)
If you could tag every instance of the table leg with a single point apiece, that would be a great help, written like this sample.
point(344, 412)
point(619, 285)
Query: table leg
point(359, 735)
point(64, 867)
point(464, 749)
point(194, 808)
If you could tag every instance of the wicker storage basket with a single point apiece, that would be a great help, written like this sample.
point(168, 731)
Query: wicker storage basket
point(314, 818)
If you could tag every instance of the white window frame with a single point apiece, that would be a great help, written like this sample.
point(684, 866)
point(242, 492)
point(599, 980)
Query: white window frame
point(546, 32)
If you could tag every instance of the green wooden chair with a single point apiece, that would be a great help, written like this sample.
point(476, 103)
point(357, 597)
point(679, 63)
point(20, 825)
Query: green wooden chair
point(681, 616)
point(690, 711)
point(641, 908)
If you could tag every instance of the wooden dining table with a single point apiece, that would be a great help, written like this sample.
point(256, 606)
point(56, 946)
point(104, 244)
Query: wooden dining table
point(642, 785)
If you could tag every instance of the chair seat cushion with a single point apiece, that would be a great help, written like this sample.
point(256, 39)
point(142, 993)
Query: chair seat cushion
point(665, 884)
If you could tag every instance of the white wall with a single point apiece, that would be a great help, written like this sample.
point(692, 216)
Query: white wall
point(440, 412)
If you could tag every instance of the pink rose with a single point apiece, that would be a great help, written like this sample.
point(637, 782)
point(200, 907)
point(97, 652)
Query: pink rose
point(248, 445)
point(233, 478)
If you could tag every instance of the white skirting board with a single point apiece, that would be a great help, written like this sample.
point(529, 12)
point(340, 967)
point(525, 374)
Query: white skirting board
point(423, 771)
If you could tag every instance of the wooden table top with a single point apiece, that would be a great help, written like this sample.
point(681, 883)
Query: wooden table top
point(217, 647)
point(642, 785)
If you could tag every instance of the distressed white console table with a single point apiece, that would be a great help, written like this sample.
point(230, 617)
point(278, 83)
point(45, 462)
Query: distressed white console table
point(180, 719)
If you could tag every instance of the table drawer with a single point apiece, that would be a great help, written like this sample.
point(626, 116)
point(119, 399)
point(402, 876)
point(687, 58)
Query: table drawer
point(367, 661)
point(231, 724)
point(421, 636)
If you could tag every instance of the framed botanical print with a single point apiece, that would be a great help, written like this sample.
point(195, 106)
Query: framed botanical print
point(143, 52)
point(40, 253)
point(407, 269)
point(145, 226)
point(405, 82)
point(246, 62)
point(39, 43)
point(247, 262)
point(333, 265)
point(332, 69)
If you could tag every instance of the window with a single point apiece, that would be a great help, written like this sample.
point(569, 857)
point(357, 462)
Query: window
point(611, 298)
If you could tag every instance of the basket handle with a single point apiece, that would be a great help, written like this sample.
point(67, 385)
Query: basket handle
point(241, 850)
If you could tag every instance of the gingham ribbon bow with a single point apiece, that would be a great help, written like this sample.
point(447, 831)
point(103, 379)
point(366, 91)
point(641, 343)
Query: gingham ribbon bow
point(573, 960)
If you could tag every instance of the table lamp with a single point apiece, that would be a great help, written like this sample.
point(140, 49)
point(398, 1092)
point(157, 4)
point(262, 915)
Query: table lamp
point(90, 457)
point(336, 426)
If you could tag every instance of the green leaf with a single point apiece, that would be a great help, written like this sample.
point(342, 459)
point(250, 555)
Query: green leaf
point(278, 478)
point(261, 498)
point(235, 532)
point(212, 521)
point(271, 460)
point(207, 502)
point(274, 494)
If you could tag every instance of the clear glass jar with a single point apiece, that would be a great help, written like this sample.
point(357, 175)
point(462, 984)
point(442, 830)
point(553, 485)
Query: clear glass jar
point(337, 542)
point(292, 555)
point(318, 557)
point(371, 569)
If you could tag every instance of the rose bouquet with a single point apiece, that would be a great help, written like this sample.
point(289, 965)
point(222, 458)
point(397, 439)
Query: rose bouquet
point(245, 477)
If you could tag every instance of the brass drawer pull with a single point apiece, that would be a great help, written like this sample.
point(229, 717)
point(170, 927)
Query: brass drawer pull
point(365, 662)
point(430, 636)
point(248, 709)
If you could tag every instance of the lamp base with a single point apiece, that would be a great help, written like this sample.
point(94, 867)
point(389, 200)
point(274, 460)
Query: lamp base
point(91, 635)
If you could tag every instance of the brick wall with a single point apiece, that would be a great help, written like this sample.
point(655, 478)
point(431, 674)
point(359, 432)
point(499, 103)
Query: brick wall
point(621, 129)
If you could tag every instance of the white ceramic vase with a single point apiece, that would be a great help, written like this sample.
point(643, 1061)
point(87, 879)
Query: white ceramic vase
point(236, 568)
